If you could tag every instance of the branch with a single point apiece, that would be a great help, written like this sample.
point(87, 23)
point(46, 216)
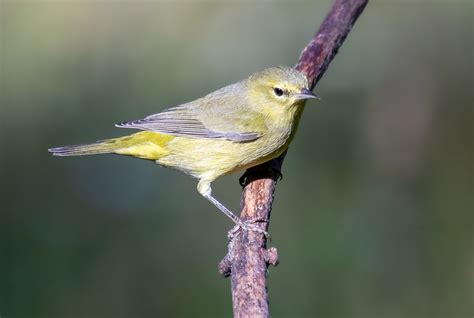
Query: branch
point(247, 259)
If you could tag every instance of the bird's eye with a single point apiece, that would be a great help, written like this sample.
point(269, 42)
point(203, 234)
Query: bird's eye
point(278, 91)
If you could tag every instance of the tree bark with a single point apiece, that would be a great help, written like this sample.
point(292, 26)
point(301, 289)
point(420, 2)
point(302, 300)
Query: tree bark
point(247, 258)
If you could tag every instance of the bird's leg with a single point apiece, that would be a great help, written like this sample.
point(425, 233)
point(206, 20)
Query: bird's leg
point(204, 189)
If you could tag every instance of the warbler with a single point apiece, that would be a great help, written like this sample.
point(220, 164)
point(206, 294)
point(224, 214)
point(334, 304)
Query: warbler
point(233, 128)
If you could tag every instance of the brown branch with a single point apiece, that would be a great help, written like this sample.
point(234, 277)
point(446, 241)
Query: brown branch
point(247, 258)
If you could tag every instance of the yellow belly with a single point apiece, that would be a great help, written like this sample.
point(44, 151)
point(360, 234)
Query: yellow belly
point(209, 159)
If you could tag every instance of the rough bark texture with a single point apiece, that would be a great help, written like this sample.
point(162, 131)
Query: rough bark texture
point(247, 259)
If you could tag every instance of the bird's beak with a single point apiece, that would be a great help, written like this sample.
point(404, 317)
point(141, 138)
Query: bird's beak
point(306, 94)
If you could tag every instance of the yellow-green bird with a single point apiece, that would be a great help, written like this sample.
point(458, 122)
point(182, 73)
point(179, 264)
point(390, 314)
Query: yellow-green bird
point(234, 128)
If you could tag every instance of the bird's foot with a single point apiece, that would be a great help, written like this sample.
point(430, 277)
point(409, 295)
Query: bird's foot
point(248, 226)
point(273, 169)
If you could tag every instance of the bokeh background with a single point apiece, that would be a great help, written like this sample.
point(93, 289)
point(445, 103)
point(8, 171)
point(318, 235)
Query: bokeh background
point(374, 216)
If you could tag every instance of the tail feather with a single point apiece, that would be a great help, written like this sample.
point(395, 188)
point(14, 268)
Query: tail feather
point(99, 147)
point(145, 145)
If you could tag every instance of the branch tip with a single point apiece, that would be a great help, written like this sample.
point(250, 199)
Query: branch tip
point(225, 267)
point(271, 256)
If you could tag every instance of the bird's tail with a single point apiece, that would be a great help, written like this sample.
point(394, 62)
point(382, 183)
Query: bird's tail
point(146, 145)
point(98, 147)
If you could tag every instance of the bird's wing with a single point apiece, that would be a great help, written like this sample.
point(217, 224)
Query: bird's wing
point(208, 118)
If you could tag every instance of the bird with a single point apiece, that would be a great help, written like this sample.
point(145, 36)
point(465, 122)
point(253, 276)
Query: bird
point(233, 128)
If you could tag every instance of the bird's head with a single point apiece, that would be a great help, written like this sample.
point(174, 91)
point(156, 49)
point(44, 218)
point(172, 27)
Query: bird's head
point(282, 87)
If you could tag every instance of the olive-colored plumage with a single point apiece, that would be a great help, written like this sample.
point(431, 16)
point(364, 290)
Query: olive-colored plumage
point(233, 128)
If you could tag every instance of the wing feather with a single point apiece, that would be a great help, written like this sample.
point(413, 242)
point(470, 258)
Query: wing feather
point(215, 116)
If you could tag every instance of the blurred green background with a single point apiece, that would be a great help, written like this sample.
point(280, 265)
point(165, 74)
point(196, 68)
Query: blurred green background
point(374, 217)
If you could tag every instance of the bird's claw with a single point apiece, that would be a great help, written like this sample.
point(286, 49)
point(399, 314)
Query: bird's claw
point(243, 179)
point(248, 227)
point(274, 170)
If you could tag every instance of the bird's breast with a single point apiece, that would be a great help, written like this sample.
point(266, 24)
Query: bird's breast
point(281, 129)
